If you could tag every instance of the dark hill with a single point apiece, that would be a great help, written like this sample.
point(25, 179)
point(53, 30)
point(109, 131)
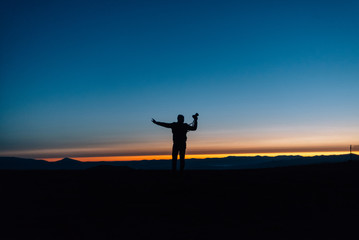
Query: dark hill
point(68, 163)
point(22, 163)
point(68, 160)
point(226, 163)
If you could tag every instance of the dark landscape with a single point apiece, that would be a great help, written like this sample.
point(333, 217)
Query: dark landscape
point(317, 201)
point(227, 163)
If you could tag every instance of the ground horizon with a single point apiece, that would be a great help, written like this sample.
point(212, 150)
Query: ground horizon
point(195, 156)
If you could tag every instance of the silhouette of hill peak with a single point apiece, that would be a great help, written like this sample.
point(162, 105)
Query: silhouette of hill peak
point(68, 160)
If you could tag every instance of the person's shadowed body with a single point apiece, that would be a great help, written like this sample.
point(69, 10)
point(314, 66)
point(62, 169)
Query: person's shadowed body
point(179, 130)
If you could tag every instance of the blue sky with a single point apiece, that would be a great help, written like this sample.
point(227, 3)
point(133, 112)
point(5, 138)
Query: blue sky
point(84, 78)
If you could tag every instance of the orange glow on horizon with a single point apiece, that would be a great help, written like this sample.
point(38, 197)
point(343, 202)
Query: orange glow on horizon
point(191, 156)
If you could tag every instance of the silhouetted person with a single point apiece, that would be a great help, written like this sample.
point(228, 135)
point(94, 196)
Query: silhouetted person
point(179, 130)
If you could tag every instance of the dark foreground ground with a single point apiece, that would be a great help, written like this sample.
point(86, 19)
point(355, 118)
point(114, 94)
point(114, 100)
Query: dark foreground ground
point(307, 202)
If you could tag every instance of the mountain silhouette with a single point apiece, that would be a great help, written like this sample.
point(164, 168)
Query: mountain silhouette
point(68, 160)
point(230, 162)
point(22, 163)
point(68, 163)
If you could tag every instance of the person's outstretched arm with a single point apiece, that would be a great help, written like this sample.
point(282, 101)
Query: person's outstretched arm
point(162, 124)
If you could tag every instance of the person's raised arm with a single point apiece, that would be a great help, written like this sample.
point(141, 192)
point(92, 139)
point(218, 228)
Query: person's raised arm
point(162, 124)
point(195, 123)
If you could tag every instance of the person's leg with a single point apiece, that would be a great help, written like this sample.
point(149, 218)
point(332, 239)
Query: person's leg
point(182, 158)
point(174, 157)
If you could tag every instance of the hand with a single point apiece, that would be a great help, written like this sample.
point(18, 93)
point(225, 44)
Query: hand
point(154, 121)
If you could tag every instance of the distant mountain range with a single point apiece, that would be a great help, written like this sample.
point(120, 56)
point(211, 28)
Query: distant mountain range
point(191, 164)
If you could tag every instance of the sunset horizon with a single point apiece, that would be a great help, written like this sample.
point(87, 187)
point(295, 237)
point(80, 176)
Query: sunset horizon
point(84, 80)
point(194, 156)
point(88, 154)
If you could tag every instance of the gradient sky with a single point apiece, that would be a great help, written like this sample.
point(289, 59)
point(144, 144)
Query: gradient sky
point(84, 78)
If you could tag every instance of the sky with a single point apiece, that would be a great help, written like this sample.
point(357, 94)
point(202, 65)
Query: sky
point(83, 79)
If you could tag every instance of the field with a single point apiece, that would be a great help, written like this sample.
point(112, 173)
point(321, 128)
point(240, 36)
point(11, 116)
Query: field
point(303, 202)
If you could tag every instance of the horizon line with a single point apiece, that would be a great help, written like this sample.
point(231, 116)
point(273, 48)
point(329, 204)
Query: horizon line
point(192, 156)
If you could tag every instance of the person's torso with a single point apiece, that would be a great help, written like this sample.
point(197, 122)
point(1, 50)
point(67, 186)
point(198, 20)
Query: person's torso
point(179, 131)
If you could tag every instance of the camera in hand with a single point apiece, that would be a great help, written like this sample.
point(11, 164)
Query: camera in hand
point(195, 116)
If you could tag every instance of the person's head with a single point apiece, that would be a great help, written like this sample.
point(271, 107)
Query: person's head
point(180, 118)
